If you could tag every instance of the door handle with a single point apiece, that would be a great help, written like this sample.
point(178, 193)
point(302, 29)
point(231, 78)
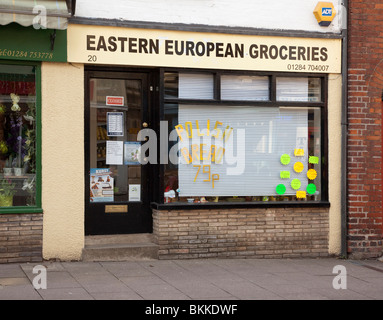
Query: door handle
point(145, 124)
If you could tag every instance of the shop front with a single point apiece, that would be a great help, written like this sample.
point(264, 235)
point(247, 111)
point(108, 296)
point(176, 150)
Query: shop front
point(27, 44)
point(220, 145)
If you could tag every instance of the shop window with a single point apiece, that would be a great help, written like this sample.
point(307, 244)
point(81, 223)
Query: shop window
point(189, 86)
point(298, 89)
point(245, 152)
point(244, 88)
point(18, 133)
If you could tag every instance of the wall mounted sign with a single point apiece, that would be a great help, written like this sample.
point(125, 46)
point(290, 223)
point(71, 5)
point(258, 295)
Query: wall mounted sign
point(324, 12)
point(165, 48)
point(26, 43)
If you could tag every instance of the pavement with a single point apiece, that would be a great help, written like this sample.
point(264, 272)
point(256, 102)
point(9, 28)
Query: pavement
point(210, 279)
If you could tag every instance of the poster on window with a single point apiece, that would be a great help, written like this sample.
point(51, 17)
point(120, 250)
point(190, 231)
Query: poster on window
point(115, 124)
point(114, 152)
point(241, 151)
point(132, 153)
point(101, 185)
point(134, 192)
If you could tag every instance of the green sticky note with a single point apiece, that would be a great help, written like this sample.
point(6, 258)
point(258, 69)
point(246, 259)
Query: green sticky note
point(313, 160)
point(285, 159)
point(285, 174)
point(295, 184)
point(280, 189)
point(311, 188)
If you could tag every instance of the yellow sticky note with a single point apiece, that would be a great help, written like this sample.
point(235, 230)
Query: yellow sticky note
point(285, 174)
point(295, 184)
point(299, 152)
point(301, 194)
point(298, 167)
point(311, 174)
point(313, 160)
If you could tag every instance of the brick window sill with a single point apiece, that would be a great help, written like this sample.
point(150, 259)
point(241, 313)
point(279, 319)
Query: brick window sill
point(241, 205)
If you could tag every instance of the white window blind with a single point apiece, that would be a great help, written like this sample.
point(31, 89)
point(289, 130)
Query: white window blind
point(292, 89)
point(249, 88)
point(196, 86)
point(254, 167)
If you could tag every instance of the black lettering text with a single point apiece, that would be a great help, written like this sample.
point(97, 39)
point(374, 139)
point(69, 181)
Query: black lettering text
point(90, 42)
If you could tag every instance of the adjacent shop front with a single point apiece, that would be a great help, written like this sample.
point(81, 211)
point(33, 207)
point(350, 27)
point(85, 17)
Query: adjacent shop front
point(25, 45)
point(221, 145)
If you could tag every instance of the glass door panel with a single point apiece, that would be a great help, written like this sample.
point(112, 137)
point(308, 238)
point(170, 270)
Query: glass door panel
point(115, 119)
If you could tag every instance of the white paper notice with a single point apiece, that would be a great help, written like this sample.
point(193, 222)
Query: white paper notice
point(134, 192)
point(114, 152)
point(115, 124)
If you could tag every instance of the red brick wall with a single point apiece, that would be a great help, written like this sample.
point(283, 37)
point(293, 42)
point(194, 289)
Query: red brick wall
point(21, 237)
point(242, 233)
point(365, 85)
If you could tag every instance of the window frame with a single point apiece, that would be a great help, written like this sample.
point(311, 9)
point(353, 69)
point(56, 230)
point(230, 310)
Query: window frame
point(37, 208)
point(272, 102)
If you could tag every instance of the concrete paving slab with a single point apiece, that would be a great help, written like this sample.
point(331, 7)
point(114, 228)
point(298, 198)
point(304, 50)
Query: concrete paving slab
point(142, 281)
point(6, 282)
point(245, 290)
point(11, 271)
point(49, 265)
point(65, 294)
point(102, 283)
point(125, 295)
point(199, 289)
point(25, 292)
point(342, 294)
point(61, 279)
point(160, 292)
point(84, 268)
point(203, 279)
point(126, 269)
point(305, 296)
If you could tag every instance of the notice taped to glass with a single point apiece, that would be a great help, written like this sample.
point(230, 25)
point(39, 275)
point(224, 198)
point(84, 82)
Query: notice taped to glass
point(115, 124)
point(101, 185)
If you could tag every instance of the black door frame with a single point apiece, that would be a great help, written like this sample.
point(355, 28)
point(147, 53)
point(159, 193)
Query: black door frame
point(150, 96)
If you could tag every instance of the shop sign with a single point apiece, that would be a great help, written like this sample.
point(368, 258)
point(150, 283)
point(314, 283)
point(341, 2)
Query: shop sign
point(114, 101)
point(28, 44)
point(164, 48)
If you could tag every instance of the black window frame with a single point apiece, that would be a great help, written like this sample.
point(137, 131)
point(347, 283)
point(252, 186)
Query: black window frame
point(272, 102)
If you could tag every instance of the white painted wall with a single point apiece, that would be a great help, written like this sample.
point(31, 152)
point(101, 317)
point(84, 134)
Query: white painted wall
point(264, 14)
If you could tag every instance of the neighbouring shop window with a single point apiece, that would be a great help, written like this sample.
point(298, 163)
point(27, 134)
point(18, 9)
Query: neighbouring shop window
point(244, 146)
point(18, 154)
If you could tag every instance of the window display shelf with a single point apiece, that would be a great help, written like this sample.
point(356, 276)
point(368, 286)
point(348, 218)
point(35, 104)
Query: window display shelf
point(23, 99)
point(13, 177)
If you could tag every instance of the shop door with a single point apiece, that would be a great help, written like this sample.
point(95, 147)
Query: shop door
point(116, 184)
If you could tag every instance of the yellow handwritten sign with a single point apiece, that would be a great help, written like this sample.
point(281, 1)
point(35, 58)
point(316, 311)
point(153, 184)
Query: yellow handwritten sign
point(301, 194)
point(299, 152)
